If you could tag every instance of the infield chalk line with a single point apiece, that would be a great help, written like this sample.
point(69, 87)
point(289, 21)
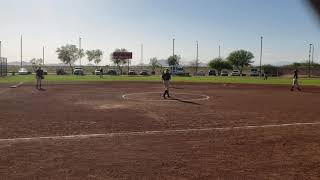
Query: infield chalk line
point(204, 97)
point(13, 86)
point(16, 85)
point(143, 133)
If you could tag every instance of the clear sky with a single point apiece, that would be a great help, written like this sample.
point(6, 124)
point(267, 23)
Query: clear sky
point(288, 26)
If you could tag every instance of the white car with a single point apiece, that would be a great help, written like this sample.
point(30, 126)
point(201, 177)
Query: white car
point(235, 73)
point(254, 72)
point(97, 72)
point(224, 73)
point(78, 71)
point(177, 70)
point(23, 71)
point(132, 72)
point(200, 73)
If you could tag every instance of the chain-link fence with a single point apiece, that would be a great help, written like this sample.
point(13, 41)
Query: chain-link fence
point(3, 66)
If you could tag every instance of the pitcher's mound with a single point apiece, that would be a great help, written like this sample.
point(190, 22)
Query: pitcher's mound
point(157, 96)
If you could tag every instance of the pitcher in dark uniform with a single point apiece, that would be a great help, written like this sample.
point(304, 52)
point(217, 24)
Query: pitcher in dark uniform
point(166, 77)
point(295, 82)
point(39, 77)
point(101, 72)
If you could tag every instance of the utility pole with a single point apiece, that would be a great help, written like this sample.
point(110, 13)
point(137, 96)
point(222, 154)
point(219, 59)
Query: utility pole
point(173, 47)
point(43, 55)
point(21, 51)
point(141, 56)
point(309, 62)
point(312, 59)
point(261, 57)
point(197, 57)
point(219, 52)
point(80, 50)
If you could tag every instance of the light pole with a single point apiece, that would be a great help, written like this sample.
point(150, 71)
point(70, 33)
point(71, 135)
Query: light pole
point(43, 55)
point(21, 51)
point(80, 50)
point(0, 49)
point(260, 56)
point(312, 59)
point(197, 57)
point(309, 69)
point(219, 52)
point(141, 56)
point(173, 47)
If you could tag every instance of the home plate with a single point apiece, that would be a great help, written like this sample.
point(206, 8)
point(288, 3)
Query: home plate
point(16, 85)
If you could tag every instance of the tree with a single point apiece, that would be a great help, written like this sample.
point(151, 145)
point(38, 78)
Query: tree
point(219, 64)
point(118, 62)
point(80, 53)
point(296, 64)
point(94, 55)
point(269, 69)
point(154, 64)
point(36, 63)
point(68, 54)
point(174, 60)
point(240, 59)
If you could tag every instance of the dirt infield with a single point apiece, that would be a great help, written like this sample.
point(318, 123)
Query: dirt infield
point(126, 131)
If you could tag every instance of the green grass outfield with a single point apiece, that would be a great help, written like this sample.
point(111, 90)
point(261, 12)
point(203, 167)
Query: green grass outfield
point(203, 79)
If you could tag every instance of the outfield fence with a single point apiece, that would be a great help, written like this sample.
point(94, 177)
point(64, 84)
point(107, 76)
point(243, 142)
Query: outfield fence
point(3, 66)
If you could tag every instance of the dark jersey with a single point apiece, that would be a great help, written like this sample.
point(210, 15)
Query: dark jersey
point(295, 76)
point(166, 76)
point(39, 73)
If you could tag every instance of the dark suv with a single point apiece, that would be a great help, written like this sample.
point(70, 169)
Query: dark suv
point(212, 72)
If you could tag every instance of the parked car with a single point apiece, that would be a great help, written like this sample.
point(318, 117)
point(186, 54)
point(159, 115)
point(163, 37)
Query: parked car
point(200, 73)
point(212, 72)
point(111, 72)
point(144, 73)
point(132, 72)
point(178, 70)
point(97, 72)
point(78, 71)
point(235, 73)
point(224, 73)
point(23, 71)
point(60, 71)
point(254, 72)
point(45, 72)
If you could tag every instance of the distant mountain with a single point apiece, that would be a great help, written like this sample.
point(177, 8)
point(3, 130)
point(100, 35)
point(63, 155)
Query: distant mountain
point(163, 62)
point(24, 63)
point(90, 64)
point(141, 64)
point(18, 63)
point(282, 63)
point(58, 64)
point(201, 64)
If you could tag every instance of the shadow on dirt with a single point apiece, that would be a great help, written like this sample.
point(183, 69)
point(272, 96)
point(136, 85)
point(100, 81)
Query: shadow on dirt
point(184, 101)
point(177, 87)
point(310, 92)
